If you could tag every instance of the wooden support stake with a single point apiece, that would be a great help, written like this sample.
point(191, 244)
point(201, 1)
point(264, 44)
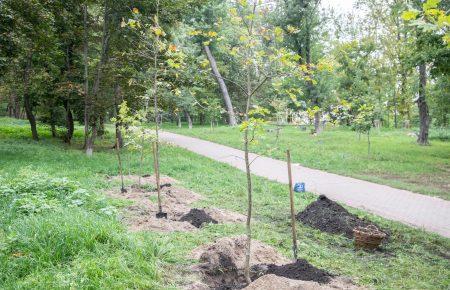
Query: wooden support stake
point(291, 196)
point(122, 189)
point(156, 166)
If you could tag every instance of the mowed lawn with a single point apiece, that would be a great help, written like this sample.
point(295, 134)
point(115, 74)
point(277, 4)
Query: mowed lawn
point(98, 253)
point(395, 158)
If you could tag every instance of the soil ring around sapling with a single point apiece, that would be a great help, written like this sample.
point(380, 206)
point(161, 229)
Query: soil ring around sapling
point(222, 267)
point(329, 216)
point(298, 270)
point(198, 217)
point(177, 202)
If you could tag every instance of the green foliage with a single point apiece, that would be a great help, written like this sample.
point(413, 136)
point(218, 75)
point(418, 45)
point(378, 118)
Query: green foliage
point(431, 19)
point(31, 193)
point(363, 120)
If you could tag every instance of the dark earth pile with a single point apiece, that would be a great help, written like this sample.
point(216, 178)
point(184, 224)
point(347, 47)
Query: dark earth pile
point(300, 270)
point(197, 217)
point(328, 216)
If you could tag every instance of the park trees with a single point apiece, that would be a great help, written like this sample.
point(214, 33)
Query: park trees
point(207, 20)
point(301, 19)
point(31, 43)
point(431, 46)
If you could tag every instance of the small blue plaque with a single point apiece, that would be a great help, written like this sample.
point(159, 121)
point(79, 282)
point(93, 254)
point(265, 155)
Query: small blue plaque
point(299, 187)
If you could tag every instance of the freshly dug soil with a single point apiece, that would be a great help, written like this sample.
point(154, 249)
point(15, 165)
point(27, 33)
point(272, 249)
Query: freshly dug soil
point(222, 262)
point(300, 270)
point(328, 216)
point(270, 282)
point(222, 267)
point(198, 217)
point(176, 202)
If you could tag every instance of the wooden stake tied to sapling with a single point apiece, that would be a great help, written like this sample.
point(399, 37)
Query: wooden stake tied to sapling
point(291, 198)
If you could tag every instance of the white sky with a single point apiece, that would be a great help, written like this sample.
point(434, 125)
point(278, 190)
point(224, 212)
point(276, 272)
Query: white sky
point(340, 6)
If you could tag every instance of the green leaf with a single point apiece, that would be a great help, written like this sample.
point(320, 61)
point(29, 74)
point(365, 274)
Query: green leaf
point(410, 15)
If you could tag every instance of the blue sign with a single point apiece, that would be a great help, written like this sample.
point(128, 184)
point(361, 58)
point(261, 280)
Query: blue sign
point(300, 187)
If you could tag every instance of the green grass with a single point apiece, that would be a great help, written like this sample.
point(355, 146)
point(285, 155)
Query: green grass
point(395, 158)
point(413, 259)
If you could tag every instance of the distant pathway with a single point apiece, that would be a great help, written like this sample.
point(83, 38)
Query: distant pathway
point(426, 212)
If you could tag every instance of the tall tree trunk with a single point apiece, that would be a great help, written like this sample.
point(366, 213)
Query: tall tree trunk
point(52, 120)
point(93, 135)
point(69, 122)
point(223, 88)
point(189, 119)
point(14, 105)
point(178, 120)
point(86, 79)
point(317, 122)
point(423, 107)
point(98, 77)
point(27, 99)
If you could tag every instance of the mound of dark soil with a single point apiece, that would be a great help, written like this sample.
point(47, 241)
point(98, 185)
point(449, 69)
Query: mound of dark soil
point(300, 270)
point(197, 217)
point(328, 216)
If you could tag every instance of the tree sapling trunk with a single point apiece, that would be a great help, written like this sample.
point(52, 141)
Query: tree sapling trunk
point(160, 213)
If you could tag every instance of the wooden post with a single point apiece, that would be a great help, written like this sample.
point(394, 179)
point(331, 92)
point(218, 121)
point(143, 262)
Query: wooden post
point(291, 196)
point(158, 186)
point(122, 189)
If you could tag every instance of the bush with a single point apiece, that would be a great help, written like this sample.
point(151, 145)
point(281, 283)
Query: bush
point(33, 193)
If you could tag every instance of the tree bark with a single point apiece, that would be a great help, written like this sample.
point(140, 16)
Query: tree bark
point(90, 140)
point(423, 106)
point(223, 88)
point(14, 105)
point(27, 99)
point(69, 122)
point(86, 79)
point(52, 121)
point(189, 119)
point(317, 122)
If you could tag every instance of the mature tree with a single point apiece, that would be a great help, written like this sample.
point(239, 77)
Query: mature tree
point(432, 48)
point(301, 20)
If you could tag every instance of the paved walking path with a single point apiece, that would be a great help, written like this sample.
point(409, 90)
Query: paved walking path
point(426, 212)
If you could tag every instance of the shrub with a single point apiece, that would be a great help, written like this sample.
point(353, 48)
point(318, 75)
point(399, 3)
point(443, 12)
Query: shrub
point(33, 193)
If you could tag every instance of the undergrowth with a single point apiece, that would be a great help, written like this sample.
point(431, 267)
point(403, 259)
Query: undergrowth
point(55, 234)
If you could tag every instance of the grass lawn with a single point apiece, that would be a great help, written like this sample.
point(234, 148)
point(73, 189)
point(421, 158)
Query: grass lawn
point(86, 247)
point(395, 158)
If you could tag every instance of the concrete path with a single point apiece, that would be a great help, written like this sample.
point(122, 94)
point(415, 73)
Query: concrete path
point(421, 211)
